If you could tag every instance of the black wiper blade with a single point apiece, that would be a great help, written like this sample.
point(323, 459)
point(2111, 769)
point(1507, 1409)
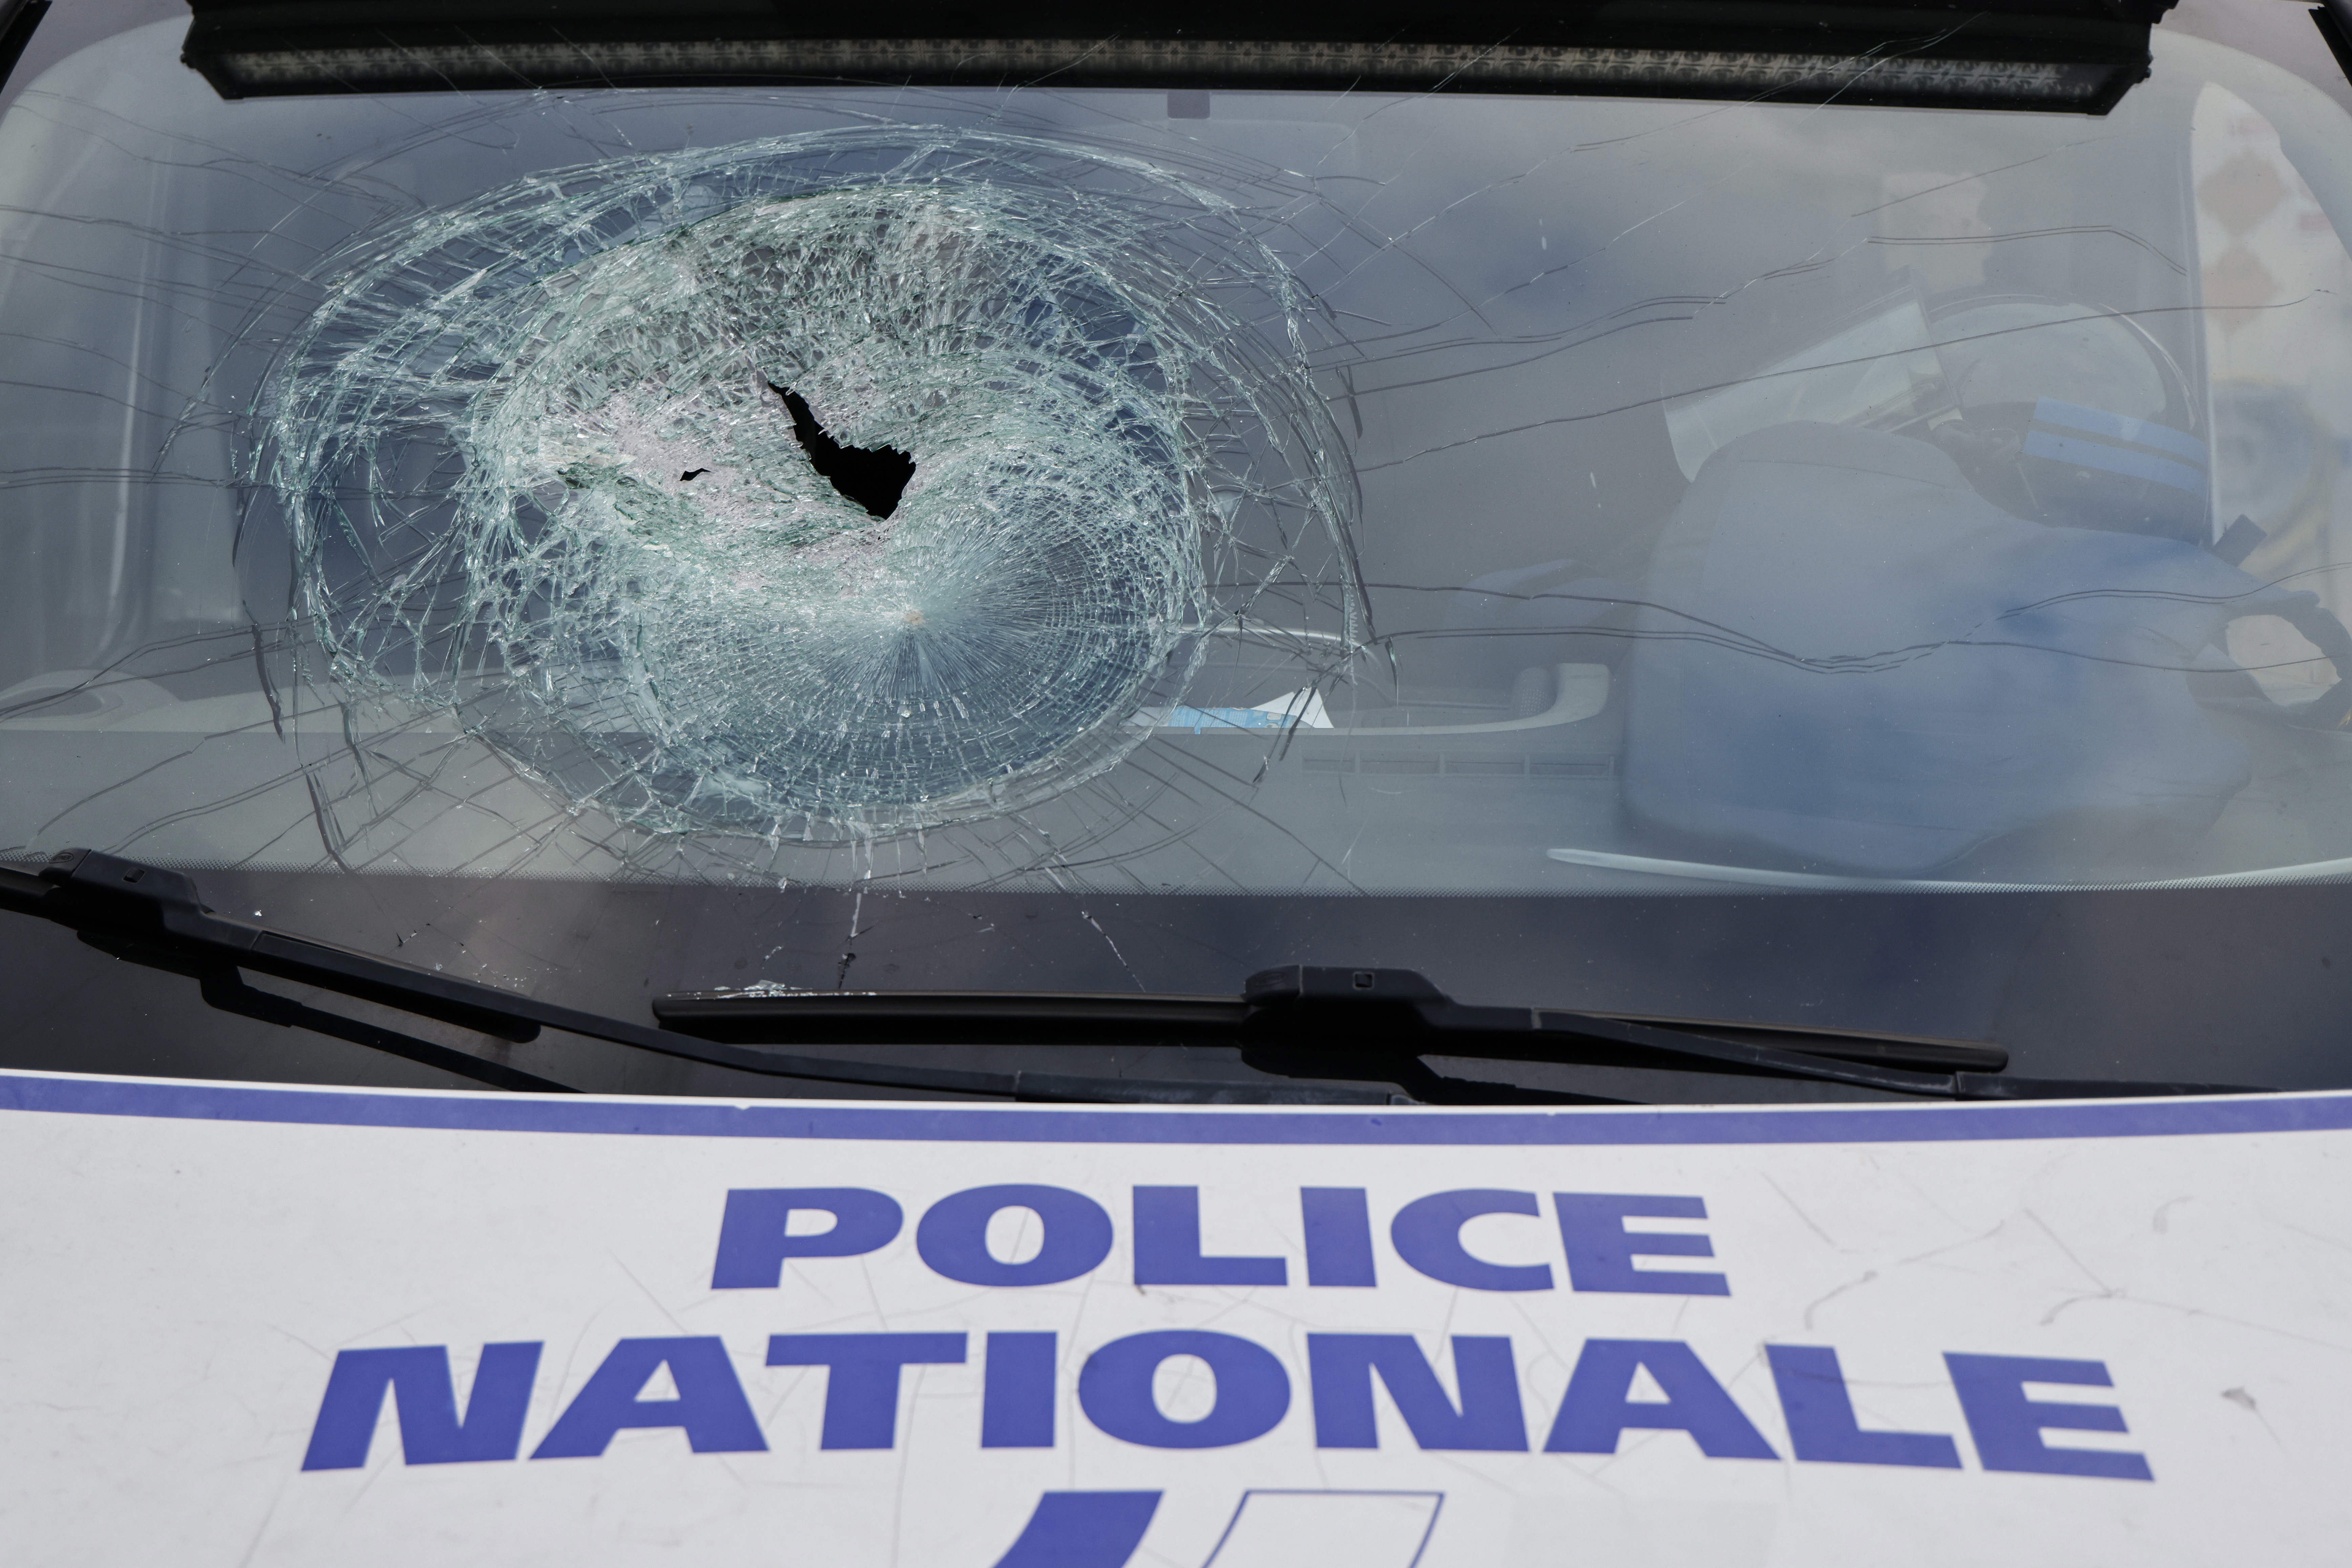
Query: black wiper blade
point(1095, 1017)
point(154, 916)
point(1067, 1019)
point(1929, 1053)
point(1323, 1022)
point(1407, 1001)
point(960, 1018)
point(1300, 1023)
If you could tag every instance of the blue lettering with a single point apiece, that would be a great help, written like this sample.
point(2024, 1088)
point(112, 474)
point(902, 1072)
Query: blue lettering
point(1082, 1530)
point(1341, 1368)
point(710, 1407)
point(1598, 1409)
point(1115, 1390)
point(1822, 1424)
point(1338, 1236)
point(1427, 1234)
point(1017, 1401)
point(2008, 1427)
point(861, 1388)
point(1601, 1251)
point(752, 1243)
point(953, 1235)
point(1168, 1245)
point(426, 1405)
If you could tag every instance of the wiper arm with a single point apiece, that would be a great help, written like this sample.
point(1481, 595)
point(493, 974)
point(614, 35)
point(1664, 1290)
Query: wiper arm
point(1408, 1003)
point(1271, 1004)
point(1302, 1021)
point(152, 916)
point(1323, 1022)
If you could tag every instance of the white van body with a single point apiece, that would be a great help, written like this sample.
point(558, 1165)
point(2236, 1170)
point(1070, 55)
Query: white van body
point(261, 1325)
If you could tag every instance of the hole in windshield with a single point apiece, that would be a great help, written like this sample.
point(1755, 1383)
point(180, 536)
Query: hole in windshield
point(874, 478)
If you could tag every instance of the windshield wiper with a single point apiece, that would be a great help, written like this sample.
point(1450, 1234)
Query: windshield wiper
point(1297, 1023)
point(1270, 1002)
point(1324, 1022)
point(149, 915)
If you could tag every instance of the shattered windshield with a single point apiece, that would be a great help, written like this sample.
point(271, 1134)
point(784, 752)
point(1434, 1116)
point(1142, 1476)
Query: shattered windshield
point(829, 494)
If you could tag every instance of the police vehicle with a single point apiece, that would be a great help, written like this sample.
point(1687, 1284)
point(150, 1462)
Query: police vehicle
point(1175, 786)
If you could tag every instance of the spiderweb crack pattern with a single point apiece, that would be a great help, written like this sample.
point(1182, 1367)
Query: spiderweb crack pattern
point(542, 475)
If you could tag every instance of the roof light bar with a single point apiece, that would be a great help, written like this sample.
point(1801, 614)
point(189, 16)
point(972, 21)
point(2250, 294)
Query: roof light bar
point(2064, 55)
